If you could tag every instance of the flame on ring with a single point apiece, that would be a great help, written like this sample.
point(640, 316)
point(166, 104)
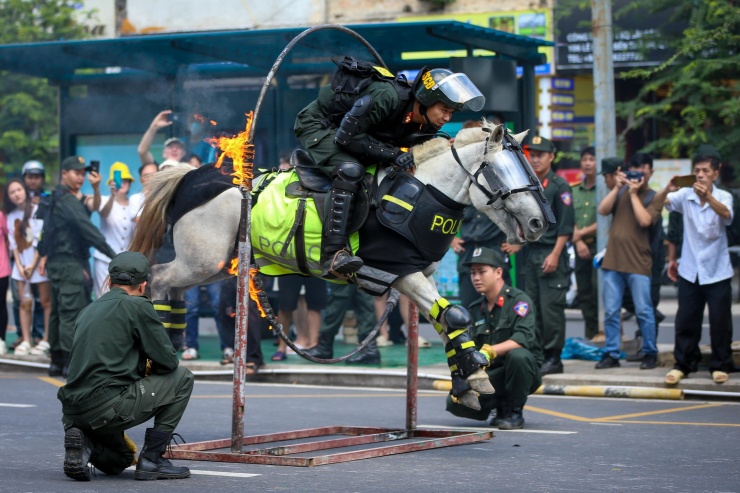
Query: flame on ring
point(240, 151)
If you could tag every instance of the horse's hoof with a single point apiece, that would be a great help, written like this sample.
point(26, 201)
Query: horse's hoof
point(479, 382)
point(470, 399)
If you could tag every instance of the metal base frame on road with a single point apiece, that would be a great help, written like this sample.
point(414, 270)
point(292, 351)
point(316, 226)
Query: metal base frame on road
point(281, 455)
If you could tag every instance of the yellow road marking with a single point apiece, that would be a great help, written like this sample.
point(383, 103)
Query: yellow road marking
point(53, 381)
point(572, 417)
point(660, 411)
point(677, 423)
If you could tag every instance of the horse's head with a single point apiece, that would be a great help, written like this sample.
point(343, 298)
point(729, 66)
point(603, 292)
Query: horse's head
point(501, 182)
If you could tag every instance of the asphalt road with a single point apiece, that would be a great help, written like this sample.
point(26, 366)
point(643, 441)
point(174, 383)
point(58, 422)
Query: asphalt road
point(569, 444)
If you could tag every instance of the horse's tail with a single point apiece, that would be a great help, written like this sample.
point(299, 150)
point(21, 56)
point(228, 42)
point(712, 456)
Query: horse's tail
point(152, 222)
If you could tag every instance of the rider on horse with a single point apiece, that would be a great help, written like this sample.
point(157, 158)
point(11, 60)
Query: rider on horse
point(380, 121)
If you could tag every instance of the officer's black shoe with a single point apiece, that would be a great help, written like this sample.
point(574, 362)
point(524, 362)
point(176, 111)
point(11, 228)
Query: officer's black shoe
point(497, 415)
point(55, 369)
point(607, 361)
point(324, 349)
point(368, 356)
point(77, 451)
point(514, 419)
point(151, 464)
point(342, 263)
point(551, 366)
point(65, 365)
point(649, 361)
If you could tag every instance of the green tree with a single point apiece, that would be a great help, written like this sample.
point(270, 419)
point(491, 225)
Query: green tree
point(694, 96)
point(28, 105)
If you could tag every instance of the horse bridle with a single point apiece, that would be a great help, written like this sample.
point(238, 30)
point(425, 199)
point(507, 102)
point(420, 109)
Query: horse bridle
point(499, 189)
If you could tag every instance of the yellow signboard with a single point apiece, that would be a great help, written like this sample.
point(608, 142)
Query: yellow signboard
point(534, 23)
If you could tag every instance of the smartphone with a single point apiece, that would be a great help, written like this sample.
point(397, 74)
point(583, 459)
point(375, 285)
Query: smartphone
point(95, 166)
point(117, 178)
point(634, 175)
point(174, 117)
point(684, 181)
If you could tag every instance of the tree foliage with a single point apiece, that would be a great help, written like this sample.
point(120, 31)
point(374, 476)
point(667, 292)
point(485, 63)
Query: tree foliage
point(28, 105)
point(694, 96)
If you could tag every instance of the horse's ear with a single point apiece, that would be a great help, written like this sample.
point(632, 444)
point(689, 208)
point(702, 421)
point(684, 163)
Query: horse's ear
point(520, 136)
point(497, 133)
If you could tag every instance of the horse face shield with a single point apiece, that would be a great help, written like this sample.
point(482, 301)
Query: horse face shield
point(509, 172)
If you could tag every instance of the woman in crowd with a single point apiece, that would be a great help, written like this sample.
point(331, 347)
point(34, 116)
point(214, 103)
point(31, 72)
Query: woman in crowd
point(117, 220)
point(23, 233)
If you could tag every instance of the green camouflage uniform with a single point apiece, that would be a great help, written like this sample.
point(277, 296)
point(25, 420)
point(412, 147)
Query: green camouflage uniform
point(516, 374)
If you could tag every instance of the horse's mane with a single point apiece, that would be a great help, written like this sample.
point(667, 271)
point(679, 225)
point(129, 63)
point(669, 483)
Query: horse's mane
point(152, 222)
point(464, 137)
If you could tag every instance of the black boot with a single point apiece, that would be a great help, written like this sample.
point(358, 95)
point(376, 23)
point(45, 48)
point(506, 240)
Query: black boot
point(152, 464)
point(78, 451)
point(514, 420)
point(335, 260)
point(552, 363)
point(57, 364)
point(325, 348)
point(497, 414)
point(368, 356)
point(65, 363)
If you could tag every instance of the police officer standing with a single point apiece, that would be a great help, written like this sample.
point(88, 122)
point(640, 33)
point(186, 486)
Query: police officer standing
point(64, 247)
point(123, 371)
point(364, 117)
point(584, 242)
point(547, 266)
point(505, 331)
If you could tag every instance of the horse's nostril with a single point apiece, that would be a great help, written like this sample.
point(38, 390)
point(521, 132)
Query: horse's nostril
point(535, 225)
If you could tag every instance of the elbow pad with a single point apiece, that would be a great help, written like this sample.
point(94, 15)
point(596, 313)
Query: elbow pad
point(355, 122)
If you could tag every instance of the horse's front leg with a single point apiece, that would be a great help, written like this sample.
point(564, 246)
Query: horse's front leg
point(453, 324)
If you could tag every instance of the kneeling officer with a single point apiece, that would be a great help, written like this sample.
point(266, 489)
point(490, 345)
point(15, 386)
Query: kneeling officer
point(505, 330)
point(123, 371)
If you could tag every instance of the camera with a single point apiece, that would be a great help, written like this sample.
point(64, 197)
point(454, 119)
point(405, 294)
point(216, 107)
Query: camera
point(95, 166)
point(634, 175)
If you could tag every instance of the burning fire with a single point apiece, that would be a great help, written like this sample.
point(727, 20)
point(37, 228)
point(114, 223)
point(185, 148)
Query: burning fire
point(253, 291)
point(240, 151)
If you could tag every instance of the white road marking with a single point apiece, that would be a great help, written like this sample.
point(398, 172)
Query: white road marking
point(225, 474)
point(3, 404)
point(496, 430)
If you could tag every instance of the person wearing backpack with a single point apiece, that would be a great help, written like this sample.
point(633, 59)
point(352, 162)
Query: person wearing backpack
point(367, 116)
point(628, 261)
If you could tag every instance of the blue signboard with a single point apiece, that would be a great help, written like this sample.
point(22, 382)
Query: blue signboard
point(562, 116)
point(563, 133)
point(562, 84)
point(563, 100)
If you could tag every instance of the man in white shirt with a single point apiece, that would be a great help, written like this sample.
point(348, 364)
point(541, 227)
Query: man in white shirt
point(704, 273)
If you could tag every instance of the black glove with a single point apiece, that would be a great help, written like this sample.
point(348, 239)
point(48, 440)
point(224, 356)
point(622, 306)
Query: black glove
point(404, 161)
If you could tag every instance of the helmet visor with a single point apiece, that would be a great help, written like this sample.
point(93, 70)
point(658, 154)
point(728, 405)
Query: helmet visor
point(509, 170)
point(459, 89)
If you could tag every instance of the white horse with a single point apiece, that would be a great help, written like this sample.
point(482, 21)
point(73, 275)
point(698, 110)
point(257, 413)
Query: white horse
point(205, 237)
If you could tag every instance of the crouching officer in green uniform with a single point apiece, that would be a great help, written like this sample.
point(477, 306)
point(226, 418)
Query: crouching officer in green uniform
point(505, 331)
point(123, 371)
point(64, 247)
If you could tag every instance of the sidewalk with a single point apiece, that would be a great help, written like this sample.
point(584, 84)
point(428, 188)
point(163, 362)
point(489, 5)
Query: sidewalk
point(432, 364)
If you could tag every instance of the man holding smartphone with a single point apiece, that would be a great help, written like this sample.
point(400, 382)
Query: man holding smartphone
point(628, 260)
point(705, 273)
